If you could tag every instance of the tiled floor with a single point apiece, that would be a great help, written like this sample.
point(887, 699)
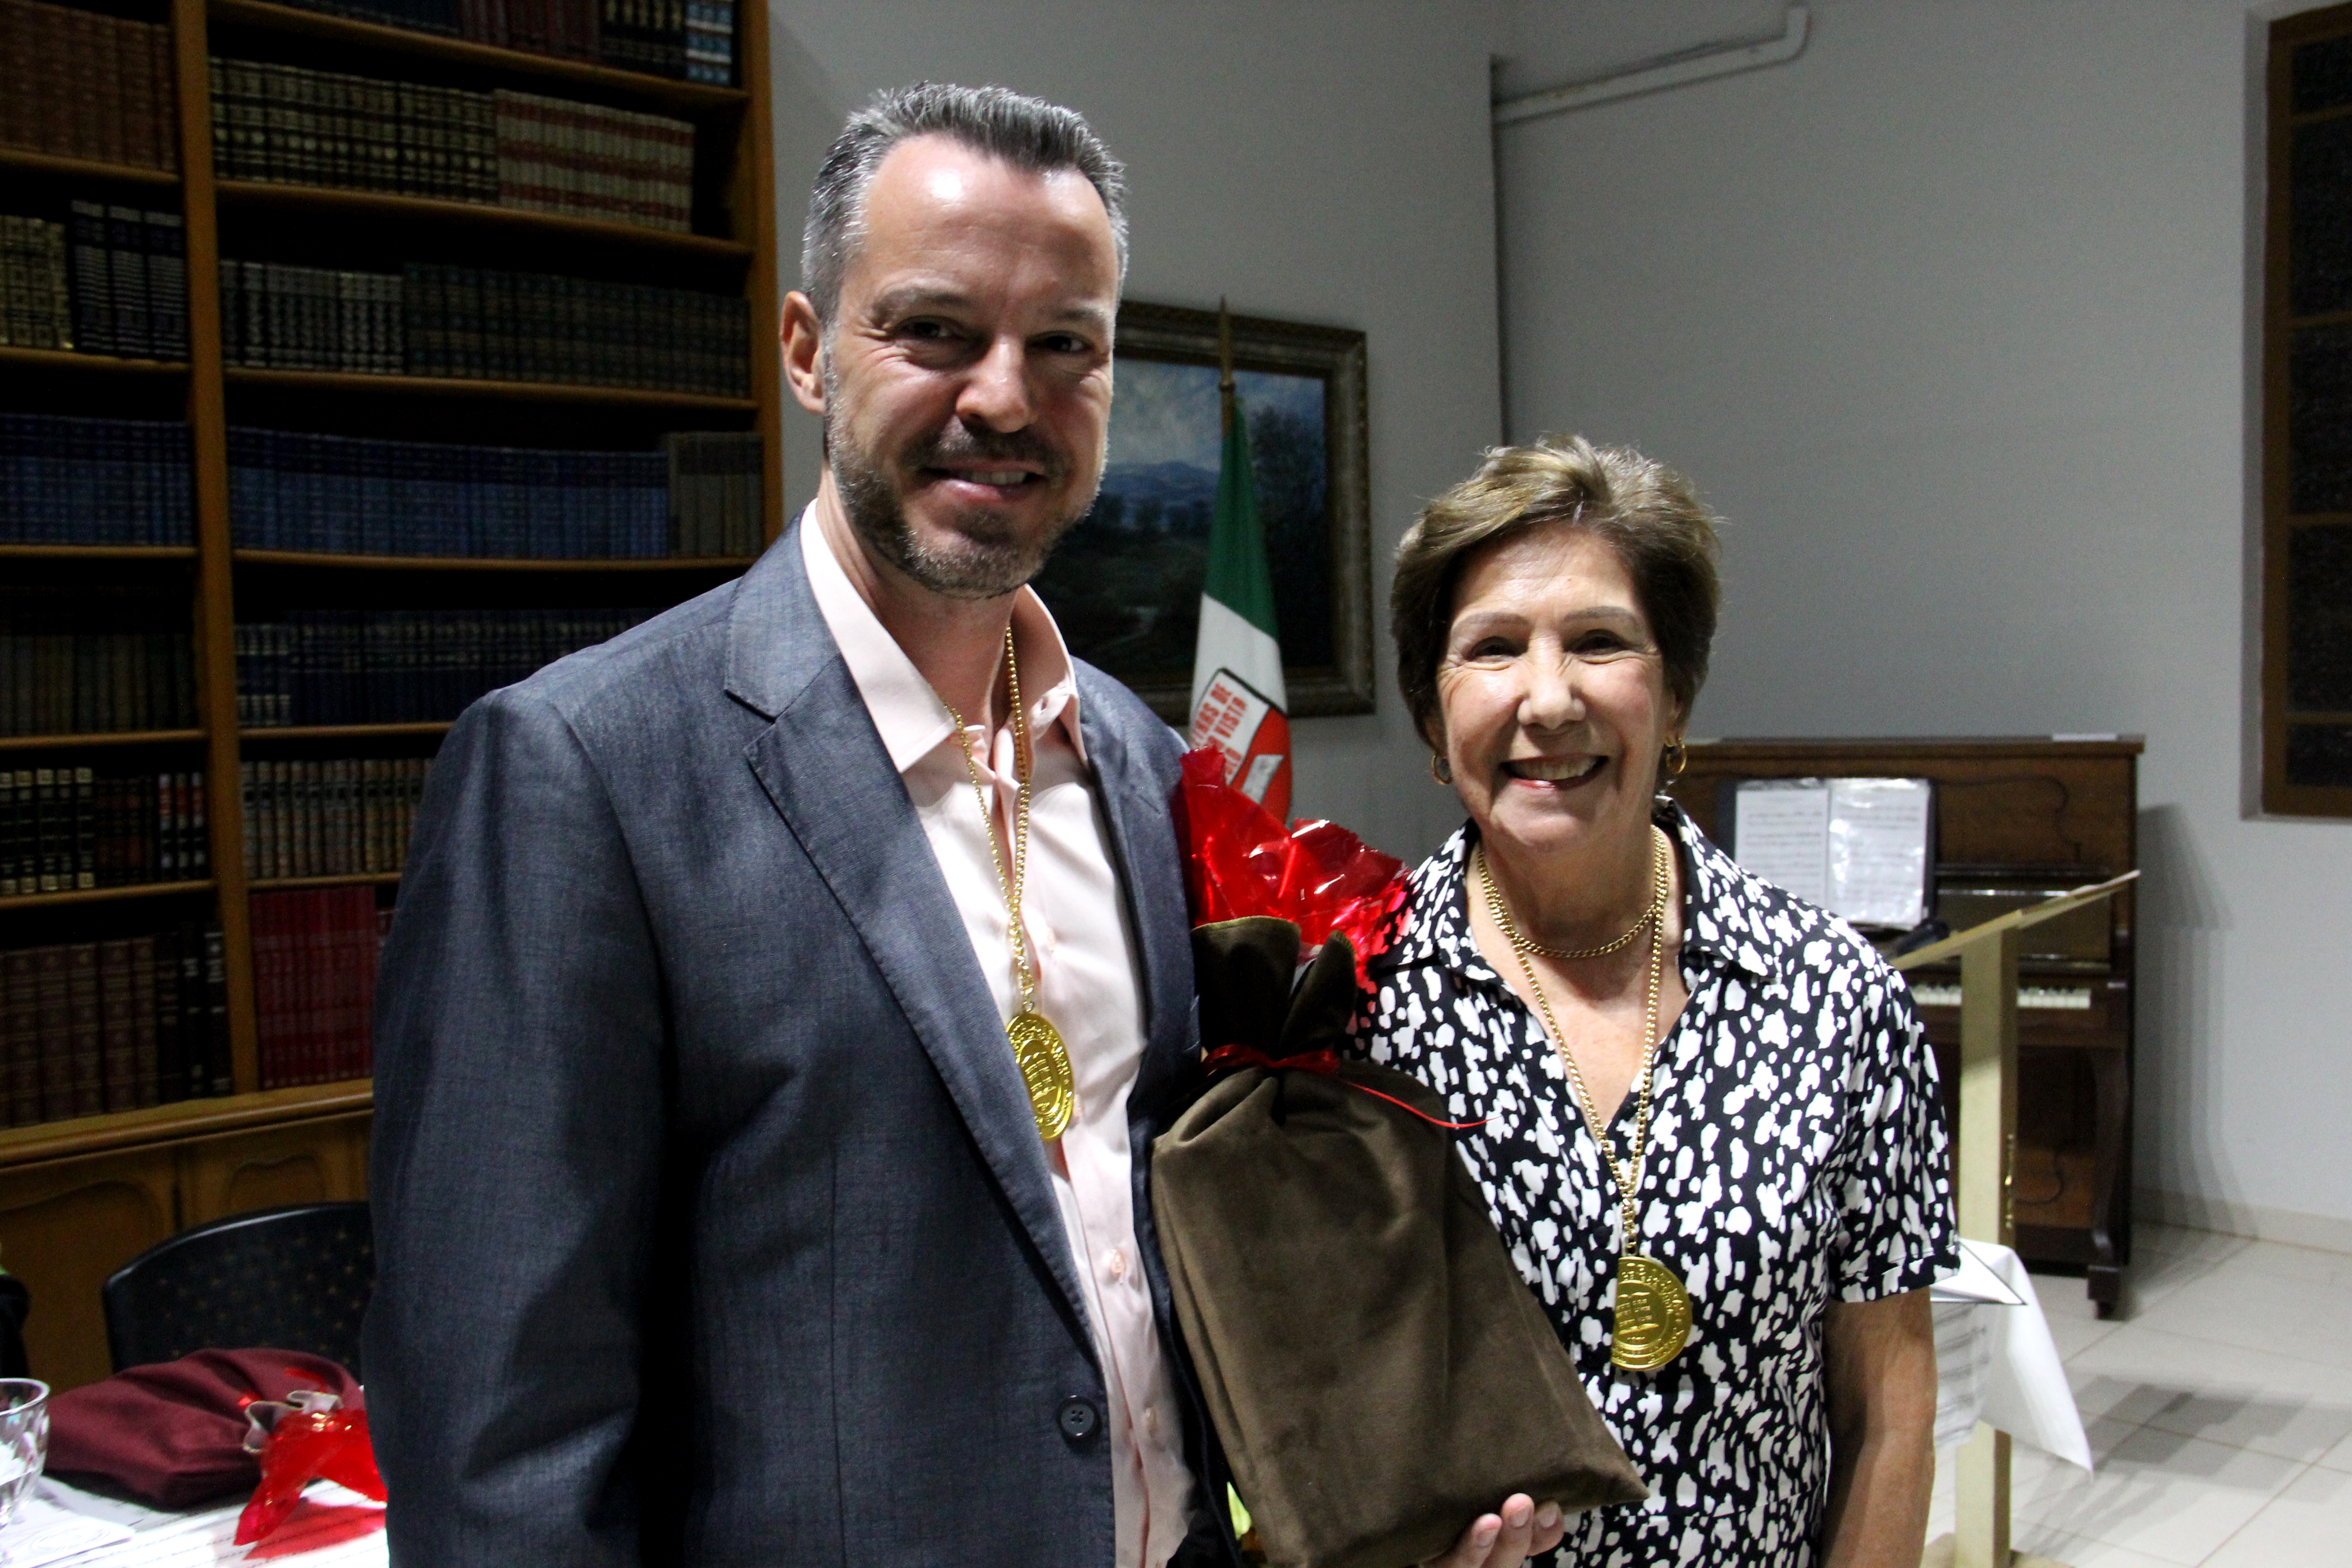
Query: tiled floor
point(2219, 1410)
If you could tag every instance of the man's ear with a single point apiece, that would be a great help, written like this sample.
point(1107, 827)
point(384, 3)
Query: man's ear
point(803, 341)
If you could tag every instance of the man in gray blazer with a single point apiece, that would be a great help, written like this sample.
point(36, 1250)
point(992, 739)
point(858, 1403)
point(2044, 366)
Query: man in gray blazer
point(717, 1219)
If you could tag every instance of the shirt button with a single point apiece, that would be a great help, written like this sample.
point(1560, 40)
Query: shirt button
point(1078, 1418)
point(1114, 1265)
point(1151, 1422)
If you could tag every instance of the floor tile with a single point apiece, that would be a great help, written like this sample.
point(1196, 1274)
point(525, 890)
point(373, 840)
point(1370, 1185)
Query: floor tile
point(2173, 1498)
point(2071, 1551)
point(2293, 1409)
point(2268, 1313)
point(2308, 1525)
point(2307, 1264)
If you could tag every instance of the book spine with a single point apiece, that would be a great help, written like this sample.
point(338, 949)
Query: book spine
point(93, 289)
point(118, 1034)
point(86, 1053)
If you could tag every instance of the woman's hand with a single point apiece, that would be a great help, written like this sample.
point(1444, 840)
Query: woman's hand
point(1506, 1539)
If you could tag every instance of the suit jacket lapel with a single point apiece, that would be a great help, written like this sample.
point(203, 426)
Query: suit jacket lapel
point(823, 766)
point(1143, 844)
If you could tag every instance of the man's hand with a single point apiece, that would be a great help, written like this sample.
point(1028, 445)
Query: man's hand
point(1506, 1539)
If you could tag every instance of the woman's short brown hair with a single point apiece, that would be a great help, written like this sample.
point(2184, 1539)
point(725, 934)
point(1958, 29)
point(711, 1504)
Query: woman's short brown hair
point(1645, 511)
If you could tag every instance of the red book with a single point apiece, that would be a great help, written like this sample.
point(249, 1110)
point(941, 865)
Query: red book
point(20, 1025)
point(55, 1001)
point(84, 1030)
point(269, 999)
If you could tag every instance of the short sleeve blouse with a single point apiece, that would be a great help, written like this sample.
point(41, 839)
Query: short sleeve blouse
point(1798, 1153)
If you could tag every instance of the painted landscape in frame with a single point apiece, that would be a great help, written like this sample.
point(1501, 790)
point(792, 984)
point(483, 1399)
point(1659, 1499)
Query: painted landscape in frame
point(1125, 586)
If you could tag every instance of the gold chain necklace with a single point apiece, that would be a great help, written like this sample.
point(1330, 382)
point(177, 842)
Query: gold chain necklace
point(1653, 1314)
point(1037, 1047)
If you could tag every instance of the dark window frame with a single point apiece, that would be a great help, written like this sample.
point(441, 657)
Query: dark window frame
point(2290, 732)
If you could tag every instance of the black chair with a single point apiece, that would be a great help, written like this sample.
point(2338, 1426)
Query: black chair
point(294, 1278)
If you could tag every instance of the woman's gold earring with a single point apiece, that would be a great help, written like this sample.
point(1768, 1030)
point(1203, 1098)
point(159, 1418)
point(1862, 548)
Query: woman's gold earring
point(1440, 769)
point(1677, 758)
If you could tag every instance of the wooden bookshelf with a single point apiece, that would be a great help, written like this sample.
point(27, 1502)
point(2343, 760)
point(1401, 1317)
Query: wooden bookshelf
point(74, 359)
point(685, 99)
point(511, 391)
point(315, 560)
point(313, 201)
point(101, 738)
point(106, 895)
point(78, 1196)
point(24, 160)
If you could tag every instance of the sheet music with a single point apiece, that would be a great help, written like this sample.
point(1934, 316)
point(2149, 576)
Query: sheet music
point(1878, 851)
point(1780, 832)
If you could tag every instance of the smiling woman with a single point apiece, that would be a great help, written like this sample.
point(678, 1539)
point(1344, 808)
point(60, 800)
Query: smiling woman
point(1725, 1174)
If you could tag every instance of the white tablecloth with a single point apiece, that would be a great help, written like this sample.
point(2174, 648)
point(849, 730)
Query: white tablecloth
point(330, 1528)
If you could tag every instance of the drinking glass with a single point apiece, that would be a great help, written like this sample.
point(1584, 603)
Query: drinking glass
point(24, 1439)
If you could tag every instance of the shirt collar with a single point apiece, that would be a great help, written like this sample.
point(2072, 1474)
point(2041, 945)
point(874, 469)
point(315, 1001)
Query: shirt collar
point(1715, 925)
point(907, 713)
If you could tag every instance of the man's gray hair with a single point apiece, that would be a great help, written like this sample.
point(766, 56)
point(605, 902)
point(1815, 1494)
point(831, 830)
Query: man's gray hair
point(1026, 132)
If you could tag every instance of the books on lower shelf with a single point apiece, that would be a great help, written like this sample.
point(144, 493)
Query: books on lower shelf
point(77, 84)
point(73, 829)
point(92, 1027)
point(94, 481)
point(314, 957)
point(478, 324)
point(110, 280)
point(700, 496)
point(401, 667)
point(290, 125)
point(57, 677)
point(336, 816)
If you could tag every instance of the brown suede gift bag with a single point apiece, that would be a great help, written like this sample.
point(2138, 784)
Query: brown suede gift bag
point(1376, 1369)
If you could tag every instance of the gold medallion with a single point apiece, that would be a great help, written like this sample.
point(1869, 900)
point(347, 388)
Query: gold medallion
point(1654, 1315)
point(1045, 1065)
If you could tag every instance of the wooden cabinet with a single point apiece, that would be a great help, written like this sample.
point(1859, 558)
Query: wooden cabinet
point(2016, 819)
point(80, 1199)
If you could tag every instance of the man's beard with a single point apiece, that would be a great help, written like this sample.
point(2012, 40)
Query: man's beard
point(985, 555)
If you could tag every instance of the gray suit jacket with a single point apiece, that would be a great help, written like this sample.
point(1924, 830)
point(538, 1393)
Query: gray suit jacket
point(711, 1223)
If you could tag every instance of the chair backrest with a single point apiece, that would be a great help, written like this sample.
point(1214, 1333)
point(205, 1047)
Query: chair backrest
point(294, 1278)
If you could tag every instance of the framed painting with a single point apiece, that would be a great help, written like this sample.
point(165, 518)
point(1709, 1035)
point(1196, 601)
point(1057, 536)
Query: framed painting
point(1125, 583)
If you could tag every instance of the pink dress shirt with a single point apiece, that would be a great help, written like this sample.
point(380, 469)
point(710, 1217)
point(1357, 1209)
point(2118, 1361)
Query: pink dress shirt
point(1084, 956)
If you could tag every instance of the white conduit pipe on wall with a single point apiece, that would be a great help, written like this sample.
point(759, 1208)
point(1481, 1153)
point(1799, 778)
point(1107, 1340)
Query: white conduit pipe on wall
point(1666, 73)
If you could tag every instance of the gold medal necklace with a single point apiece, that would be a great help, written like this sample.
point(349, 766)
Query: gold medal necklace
point(1654, 1312)
point(1037, 1047)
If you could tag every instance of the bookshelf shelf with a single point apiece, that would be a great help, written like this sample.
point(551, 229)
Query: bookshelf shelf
point(105, 895)
point(309, 201)
point(354, 879)
point(323, 562)
point(340, 731)
point(508, 391)
point(69, 359)
point(676, 96)
point(182, 1119)
point(100, 552)
point(25, 160)
point(102, 738)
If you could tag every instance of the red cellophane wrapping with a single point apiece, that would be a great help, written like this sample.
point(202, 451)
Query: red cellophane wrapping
point(321, 1443)
point(1323, 879)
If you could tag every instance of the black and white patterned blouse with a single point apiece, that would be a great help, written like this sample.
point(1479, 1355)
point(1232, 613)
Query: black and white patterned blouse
point(1797, 1154)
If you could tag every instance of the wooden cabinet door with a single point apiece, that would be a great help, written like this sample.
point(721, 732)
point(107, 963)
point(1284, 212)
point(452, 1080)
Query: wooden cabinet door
point(64, 1227)
point(263, 1167)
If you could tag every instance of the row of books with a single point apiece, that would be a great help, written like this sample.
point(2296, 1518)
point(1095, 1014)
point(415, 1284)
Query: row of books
point(94, 1026)
point(314, 958)
point(476, 324)
point(401, 667)
point(65, 830)
point(715, 506)
point(77, 84)
point(66, 481)
point(346, 495)
point(106, 656)
point(112, 280)
point(291, 124)
point(661, 37)
point(583, 160)
point(334, 816)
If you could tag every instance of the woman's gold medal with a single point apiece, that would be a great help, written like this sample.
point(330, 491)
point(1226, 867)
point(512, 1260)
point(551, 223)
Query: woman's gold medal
point(1654, 1315)
point(1045, 1065)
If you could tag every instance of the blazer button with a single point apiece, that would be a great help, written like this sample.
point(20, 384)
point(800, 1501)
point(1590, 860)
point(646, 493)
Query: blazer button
point(1079, 1418)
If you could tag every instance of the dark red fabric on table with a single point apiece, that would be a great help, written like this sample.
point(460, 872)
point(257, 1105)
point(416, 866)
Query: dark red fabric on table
point(173, 1433)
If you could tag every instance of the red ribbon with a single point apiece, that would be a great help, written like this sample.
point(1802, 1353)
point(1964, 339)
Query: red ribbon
point(1324, 1063)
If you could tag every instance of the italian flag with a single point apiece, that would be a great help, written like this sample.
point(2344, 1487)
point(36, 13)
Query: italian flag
point(1239, 706)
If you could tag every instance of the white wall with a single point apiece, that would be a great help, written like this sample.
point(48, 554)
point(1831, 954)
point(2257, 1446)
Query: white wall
point(1317, 163)
point(1951, 318)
